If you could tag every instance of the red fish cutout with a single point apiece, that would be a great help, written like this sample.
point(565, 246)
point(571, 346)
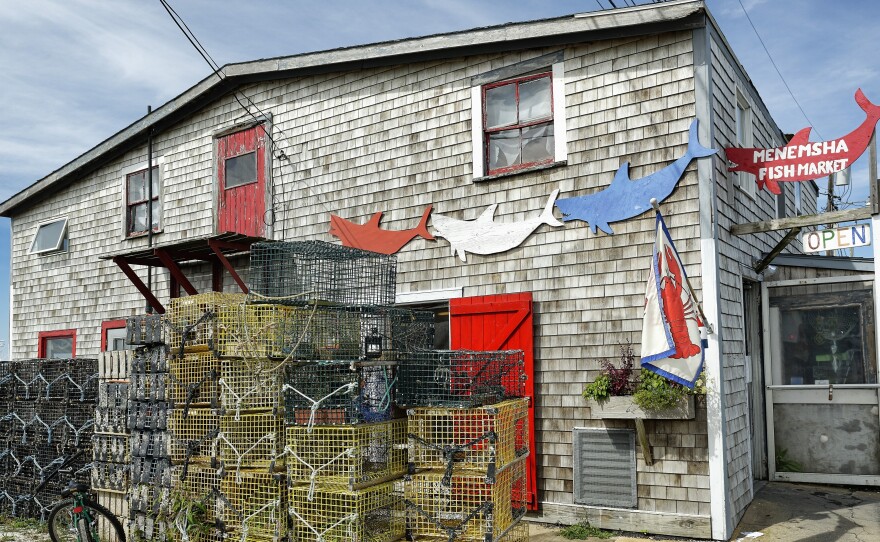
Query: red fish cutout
point(369, 236)
point(801, 160)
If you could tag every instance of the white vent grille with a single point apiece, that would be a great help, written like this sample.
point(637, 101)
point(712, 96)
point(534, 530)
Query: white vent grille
point(605, 467)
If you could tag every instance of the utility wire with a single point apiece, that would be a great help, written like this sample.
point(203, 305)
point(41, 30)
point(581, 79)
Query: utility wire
point(217, 70)
point(777, 70)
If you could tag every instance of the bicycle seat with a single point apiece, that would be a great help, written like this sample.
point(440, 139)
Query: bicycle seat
point(75, 487)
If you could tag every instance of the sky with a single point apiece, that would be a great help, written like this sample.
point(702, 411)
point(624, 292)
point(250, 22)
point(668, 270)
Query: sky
point(75, 72)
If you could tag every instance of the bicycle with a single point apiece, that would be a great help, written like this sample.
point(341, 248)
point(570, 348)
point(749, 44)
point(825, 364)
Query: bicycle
point(77, 518)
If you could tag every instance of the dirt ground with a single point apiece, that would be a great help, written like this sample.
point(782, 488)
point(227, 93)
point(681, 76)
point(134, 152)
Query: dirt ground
point(12, 530)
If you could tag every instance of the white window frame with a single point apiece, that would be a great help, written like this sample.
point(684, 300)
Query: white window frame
point(560, 146)
point(744, 181)
point(159, 163)
point(59, 245)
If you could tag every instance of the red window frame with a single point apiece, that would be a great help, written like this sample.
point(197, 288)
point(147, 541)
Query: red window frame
point(45, 335)
point(109, 324)
point(130, 206)
point(519, 125)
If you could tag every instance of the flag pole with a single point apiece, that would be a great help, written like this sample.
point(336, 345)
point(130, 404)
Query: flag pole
point(709, 329)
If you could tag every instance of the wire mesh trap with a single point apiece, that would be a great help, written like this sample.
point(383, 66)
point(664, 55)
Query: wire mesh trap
point(149, 500)
point(191, 321)
point(460, 378)
point(147, 527)
point(145, 443)
point(148, 387)
point(371, 514)
point(466, 507)
point(149, 360)
point(482, 439)
point(44, 380)
point(259, 331)
point(337, 393)
point(151, 470)
point(148, 415)
point(302, 272)
point(251, 440)
point(111, 448)
point(192, 435)
point(254, 506)
point(145, 330)
point(246, 386)
point(192, 381)
point(349, 456)
point(110, 476)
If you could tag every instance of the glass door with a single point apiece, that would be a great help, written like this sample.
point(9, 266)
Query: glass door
point(823, 400)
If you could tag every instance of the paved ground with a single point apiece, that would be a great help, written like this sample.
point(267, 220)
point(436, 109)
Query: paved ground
point(780, 512)
point(784, 512)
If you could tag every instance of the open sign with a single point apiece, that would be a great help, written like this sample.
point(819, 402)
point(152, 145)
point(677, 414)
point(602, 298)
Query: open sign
point(858, 235)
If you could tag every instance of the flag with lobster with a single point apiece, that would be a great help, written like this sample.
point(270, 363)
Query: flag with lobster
point(673, 332)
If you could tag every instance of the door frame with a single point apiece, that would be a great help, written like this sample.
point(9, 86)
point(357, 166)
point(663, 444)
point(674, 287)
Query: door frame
point(269, 187)
point(863, 390)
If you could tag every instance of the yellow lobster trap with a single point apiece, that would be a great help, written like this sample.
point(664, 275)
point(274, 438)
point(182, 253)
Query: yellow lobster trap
point(193, 503)
point(192, 380)
point(253, 506)
point(192, 320)
point(372, 514)
point(350, 456)
point(192, 435)
point(253, 332)
point(464, 506)
point(483, 439)
point(251, 440)
point(249, 386)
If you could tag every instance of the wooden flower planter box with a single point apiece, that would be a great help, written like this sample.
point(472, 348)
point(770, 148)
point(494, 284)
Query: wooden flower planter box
point(623, 408)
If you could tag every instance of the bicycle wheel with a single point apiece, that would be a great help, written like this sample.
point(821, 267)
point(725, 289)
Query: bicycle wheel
point(104, 527)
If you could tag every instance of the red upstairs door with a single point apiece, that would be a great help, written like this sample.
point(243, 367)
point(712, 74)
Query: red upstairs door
point(501, 322)
point(241, 177)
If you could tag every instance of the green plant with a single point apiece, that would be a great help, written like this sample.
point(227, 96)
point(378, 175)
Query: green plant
point(786, 464)
point(583, 531)
point(191, 516)
point(655, 392)
point(613, 381)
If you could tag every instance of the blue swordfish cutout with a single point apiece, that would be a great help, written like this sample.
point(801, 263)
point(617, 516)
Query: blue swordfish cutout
point(626, 198)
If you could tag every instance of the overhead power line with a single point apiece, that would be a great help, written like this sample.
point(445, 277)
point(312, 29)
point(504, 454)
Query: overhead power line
point(773, 62)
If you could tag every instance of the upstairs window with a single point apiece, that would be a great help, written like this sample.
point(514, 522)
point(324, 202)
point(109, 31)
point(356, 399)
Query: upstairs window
point(518, 123)
point(744, 139)
point(519, 117)
point(137, 202)
point(50, 237)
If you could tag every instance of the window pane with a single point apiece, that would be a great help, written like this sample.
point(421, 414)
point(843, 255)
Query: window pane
point(741, 119)
point(501, 106)
point(241, 170)
point(116, 339)
point(534, 100)
point(157, 212)
point(59, 348)
point(537, 143)
point(137, 187)
point(48, 236)
point(155, 181)
point(504, 149)
point(138, 219)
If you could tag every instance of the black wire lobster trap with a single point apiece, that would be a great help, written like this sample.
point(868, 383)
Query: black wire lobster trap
point(460, 378)
point(111, 412)
point(302, 272)
point(337, 393)
point(145, 330)
point(50, 380)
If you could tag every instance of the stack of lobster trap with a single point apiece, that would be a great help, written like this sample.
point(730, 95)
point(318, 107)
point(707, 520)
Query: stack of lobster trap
point(345, 439)
point(47, 416)
point(147, 423)
point(111, 448)
point(467, 429)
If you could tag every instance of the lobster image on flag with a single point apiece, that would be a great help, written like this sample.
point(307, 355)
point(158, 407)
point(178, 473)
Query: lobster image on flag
point(673, 329)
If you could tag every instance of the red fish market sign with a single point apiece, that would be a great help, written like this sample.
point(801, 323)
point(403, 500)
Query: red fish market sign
point(802, 160)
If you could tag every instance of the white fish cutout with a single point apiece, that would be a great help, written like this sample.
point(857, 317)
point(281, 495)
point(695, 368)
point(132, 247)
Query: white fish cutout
point(485, 236)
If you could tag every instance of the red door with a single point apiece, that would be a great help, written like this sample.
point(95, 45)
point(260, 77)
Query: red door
point(500, 322)
point(241, 175)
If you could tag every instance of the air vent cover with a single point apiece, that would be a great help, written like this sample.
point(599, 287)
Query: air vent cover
point(605, 467)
